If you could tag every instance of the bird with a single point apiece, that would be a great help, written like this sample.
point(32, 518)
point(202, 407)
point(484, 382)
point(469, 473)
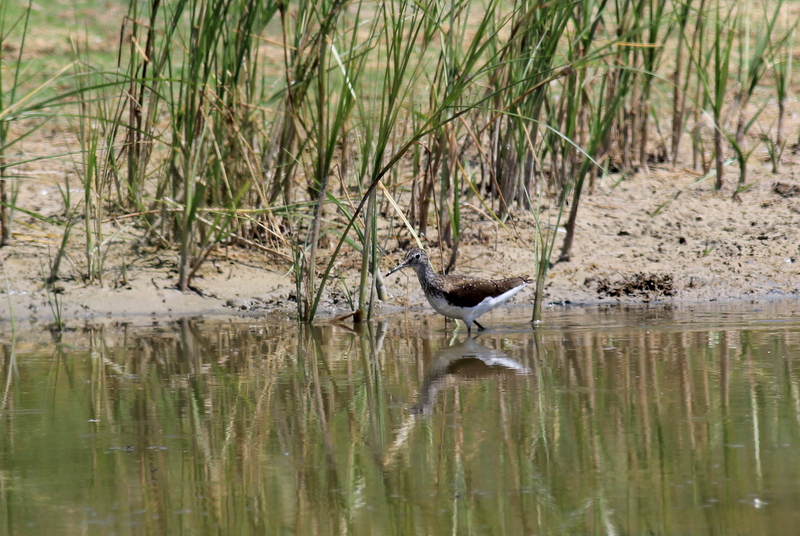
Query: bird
point(467, 360)
point(454, 296)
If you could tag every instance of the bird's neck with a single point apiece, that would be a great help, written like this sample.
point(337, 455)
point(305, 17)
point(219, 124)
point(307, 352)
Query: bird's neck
point(428, 279)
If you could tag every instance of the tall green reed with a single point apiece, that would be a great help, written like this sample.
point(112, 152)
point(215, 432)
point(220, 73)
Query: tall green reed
point(589, 113)
point(405, 23)
point(146, 59)
point(202, 68)
point(781, 60)
point(611, 95)
point(681, 75)
point(715, 84)
point(96, 133)
point(192, 108)
point(5, 210)
point(528, 64)
point(654, 37)
point(399, 53)
point(25, 108)
point(329, 101)
point(753, 67)
point(9, 86)
point(526, 60)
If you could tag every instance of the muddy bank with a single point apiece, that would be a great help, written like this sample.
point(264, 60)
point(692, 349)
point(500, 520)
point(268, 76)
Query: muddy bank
point(664, 236)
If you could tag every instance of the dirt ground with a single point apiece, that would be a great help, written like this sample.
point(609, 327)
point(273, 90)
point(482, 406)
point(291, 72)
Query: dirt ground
point(661, 236)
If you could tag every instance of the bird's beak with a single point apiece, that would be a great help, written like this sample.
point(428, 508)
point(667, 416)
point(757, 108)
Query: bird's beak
point(398, 267)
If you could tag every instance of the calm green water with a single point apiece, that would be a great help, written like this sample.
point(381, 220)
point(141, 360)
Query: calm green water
point(646, 420)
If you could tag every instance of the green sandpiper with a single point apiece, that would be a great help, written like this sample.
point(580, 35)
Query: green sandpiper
point(454, 296)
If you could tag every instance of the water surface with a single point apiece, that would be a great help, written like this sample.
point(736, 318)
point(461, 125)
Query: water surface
point(603, 420)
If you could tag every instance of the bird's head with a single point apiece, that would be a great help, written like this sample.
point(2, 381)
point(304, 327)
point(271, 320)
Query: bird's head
point(415, 258)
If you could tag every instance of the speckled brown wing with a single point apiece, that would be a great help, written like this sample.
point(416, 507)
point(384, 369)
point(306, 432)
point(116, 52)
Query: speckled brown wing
point(469, 292)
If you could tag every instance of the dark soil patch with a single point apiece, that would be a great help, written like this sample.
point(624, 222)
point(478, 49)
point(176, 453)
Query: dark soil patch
point(784, 189)
point(647, 287)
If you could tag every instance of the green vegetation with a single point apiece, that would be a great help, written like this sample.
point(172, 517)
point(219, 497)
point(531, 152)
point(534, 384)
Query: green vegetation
point(263, 124)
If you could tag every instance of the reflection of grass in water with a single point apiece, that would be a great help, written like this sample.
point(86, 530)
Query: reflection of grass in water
point(208, 425)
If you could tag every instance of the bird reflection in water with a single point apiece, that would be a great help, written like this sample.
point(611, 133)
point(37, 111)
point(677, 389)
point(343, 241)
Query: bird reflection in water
point(462, 362)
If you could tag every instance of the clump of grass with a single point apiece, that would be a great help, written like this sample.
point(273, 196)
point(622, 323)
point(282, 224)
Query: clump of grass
point(12, 106)
point(781, 54)
point(753, 66)
point(8, 94)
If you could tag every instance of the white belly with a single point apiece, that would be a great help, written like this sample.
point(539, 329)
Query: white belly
point(441, 306)
point(468, 315)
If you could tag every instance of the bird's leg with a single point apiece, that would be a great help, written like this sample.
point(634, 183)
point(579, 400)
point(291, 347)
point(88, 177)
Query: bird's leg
point(479, 326)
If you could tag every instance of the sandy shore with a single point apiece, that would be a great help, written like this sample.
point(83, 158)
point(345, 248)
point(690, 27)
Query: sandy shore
point(666, 227)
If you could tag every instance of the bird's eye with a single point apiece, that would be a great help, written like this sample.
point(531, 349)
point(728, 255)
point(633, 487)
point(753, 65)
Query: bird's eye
point(416, 256)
